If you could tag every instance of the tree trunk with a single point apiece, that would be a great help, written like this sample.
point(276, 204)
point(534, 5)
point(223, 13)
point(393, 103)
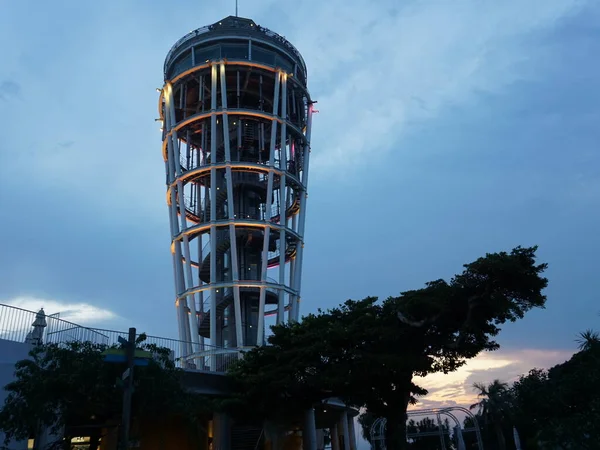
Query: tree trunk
point(500, 435)
point(395, 431)
point(66, 443)
point(94, 441)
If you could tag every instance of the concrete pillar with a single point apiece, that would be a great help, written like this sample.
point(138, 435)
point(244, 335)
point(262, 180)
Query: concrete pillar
point(320, 439)
point(343, 430)
point(335, 437)
point(309, 432)
point(273, 440)
point(203, 436)
point(459, 438)
point(221, 432)
point(352, 433)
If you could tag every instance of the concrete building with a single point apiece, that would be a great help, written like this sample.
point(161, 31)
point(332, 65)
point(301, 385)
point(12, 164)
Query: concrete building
point(21, 329)
point(10, 353)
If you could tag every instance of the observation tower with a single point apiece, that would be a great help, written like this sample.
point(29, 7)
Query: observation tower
point(236, 117)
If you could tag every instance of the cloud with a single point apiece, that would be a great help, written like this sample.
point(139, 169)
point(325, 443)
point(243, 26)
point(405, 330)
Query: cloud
point(9, 89)
point(66, 144)
point(64, 321)
point(79, 313)
point(375, 70)
point(456, 388)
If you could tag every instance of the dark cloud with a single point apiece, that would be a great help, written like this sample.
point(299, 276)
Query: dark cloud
point(482, 177)
point(522, 361)
point(66, 144)
point(505, 374)
point(431, 404)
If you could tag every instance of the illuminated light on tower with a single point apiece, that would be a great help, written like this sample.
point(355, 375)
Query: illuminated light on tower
point(236, 117)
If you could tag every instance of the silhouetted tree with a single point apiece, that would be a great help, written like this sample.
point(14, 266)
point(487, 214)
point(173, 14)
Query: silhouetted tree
point(561, 407)
point(469, 435)
point(588, 339)
point(428, 441)
point(70, 384)
point(366, 421)
point(494, 406)
point(368, 352)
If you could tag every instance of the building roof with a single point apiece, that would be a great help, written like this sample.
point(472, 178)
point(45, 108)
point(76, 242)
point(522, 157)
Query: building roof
point(233, 25)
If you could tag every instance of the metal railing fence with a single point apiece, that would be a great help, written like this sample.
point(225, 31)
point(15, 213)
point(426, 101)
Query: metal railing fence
point(21, 325)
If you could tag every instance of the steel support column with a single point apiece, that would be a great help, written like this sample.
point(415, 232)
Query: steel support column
point(233, 246)
point(267, 231)
point(282, 198)
point(302, 218)
point(213, 210)
point(174, 223)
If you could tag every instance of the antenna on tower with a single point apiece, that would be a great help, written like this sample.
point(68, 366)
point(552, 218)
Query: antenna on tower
point(236, 8)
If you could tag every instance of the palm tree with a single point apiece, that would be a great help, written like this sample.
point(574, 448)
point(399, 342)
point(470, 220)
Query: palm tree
point(587, 339)
point(493, 406)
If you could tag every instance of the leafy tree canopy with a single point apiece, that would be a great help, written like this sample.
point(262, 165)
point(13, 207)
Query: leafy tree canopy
point(556, 408)
point(561, 406)
point(430, 429)
point(70, 384)
point(367, 352)
point(495, 407)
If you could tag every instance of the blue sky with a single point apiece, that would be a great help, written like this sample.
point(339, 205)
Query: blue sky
point(445, 130)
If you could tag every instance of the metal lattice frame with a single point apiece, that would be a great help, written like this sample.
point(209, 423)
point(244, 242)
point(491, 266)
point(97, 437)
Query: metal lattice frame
point(208, 162)
point(377, 431)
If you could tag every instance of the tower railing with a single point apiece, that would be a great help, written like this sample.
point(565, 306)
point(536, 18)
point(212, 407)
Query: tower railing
point(270, 34)
point(16, 325)
point(228, 292)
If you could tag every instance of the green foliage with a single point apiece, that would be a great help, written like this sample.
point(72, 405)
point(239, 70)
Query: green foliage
point(470, 437)
point(561, 407)
point(427, 425)
point(49, 388)
point(494, 400)
point(367, 352)
point(494, 407)
point(556, 408)
point(71, 384)
point(587, 339)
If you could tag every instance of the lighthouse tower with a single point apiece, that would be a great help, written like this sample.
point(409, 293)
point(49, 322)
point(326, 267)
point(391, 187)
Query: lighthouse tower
point(236, 118)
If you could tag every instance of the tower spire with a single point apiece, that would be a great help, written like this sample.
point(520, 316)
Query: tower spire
point(236, 8)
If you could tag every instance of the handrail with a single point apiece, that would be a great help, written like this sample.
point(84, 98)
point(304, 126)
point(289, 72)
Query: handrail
point(262, 431)
point(208, 28)
point(16, 324)
point(49, 316)
point(205, 306)
point(197, 209)
point(182, 40)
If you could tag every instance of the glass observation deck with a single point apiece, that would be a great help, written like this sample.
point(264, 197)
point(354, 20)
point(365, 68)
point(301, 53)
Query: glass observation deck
point(234, 39)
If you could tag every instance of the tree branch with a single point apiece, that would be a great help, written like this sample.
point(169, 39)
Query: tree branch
point(417, 323)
